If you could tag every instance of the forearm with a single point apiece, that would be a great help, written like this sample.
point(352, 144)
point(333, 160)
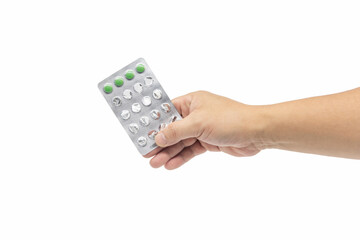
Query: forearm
point(326, 125)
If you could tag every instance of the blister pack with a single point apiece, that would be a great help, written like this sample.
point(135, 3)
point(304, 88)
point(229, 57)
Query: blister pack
point(139, 102)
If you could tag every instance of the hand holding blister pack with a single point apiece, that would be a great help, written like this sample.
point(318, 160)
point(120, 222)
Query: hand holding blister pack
point(140, 103)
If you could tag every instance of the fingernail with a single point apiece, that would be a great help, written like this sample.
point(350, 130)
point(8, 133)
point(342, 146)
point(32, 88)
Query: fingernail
point(160, 139)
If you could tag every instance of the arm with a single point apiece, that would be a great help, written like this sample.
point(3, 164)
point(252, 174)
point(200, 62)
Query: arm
point(327, 125)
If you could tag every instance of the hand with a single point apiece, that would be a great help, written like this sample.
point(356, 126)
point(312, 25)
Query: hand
point(210, 123)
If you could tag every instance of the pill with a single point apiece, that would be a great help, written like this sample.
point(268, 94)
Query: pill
point(152, 134)
point(140, 68)
point(142, 141)
point(138, 87)
point(148, 80)
point(136, 107)
point(157, 94)
point(129, 74)
point(146, 100)
point(108, 88)
point(144, 120)
point(155, 114)
point(133, 128)
point(119, 81)
point(127, 94)
point(125, 114)
point(116, 101)
point(165, 107)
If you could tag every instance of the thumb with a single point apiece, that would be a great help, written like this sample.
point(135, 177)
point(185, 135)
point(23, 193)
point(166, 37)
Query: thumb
point(177, 131)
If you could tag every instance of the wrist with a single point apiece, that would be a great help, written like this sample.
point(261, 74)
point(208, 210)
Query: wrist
point(263, 127)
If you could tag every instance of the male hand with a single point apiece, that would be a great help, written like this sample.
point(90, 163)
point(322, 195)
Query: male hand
point(210, 123)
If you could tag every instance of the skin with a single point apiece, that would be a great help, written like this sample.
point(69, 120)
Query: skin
point(327, 125)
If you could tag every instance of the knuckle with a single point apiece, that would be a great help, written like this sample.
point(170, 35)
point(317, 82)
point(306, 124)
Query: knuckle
point(201, 92)
point(197, 93)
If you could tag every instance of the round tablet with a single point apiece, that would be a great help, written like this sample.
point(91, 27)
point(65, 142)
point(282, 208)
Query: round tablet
point(148, 81)
point(145, 121)
point(141, 141)
point(157, 94)
point(165, 107)
point(133, 128)
point(116, 101)
point(127, 94)
point(138, 87)
point(129, 74)
point(152, 134)
point(108, 88)
point(119, 81)
point(136, 107)
point(146, 101)
point(140, 68)
point(155, 114)
point(125, 114)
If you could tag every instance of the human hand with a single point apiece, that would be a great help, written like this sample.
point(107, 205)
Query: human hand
point(210, 123)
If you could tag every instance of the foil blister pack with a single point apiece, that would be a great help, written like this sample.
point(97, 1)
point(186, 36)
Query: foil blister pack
point(140, 103)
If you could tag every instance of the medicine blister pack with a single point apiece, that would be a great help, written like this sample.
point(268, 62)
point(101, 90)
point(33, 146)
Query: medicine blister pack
point(140, 103)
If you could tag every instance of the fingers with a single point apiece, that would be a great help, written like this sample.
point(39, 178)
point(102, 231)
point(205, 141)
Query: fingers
point(162, 157)
point(178, 104)
point(153, 152)
point(182, 105)
point(185, 155)
point(188, 127)
point(166, 154)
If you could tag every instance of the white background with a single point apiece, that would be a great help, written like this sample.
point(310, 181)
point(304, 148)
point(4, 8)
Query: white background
point(69, 171)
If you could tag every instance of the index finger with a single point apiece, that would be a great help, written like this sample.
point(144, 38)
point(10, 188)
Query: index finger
point(182, 104)
point(153, 152)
